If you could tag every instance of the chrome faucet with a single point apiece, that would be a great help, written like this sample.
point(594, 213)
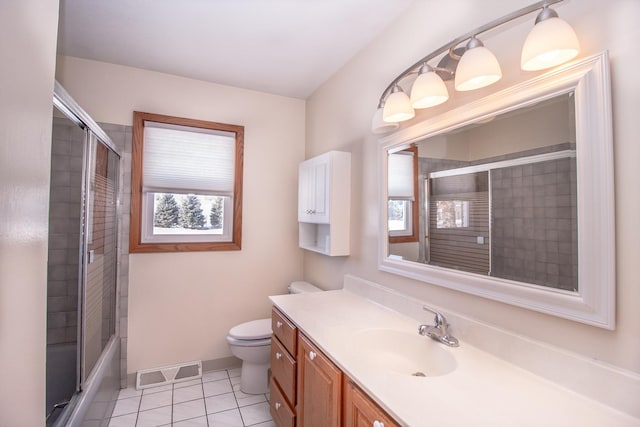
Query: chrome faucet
point(439, 331)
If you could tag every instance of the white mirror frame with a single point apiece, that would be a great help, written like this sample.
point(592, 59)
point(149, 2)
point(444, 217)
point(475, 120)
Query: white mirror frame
point(594, 303)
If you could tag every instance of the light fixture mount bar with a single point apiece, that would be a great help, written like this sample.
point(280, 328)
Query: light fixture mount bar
point(455, 42)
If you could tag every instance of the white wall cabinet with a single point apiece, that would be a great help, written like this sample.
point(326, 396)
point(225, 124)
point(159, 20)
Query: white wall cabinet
point(324, 203)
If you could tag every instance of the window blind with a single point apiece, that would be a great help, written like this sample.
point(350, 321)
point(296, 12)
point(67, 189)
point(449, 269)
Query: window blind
point(400, 176)
point(189, 160)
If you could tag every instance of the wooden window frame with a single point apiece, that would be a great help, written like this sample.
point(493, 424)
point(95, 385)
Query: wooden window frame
point(135, 236)
point(413, 237)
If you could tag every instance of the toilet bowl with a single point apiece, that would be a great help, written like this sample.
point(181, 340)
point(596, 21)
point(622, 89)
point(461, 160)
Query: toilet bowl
point(251, 343)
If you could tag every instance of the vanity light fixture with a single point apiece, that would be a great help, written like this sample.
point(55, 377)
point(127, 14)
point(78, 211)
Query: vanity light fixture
point(378, 125)
point(478, 67)
point(398, 107)
point(429, 89)
point(551, 42)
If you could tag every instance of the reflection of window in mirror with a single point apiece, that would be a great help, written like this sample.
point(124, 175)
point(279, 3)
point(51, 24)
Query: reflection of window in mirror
point(452, 214)
point(403, 196)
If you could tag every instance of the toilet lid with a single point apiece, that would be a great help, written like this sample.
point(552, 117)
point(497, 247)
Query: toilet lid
point(254, 330)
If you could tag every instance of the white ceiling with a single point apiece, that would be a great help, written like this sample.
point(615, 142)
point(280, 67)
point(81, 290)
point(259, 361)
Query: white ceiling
point(283, 47)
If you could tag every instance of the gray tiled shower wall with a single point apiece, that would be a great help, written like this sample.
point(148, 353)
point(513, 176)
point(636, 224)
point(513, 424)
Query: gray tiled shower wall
point(65, 207)
point(64, 231)
point(122, 138)
point(534, 217)
point(534, 228)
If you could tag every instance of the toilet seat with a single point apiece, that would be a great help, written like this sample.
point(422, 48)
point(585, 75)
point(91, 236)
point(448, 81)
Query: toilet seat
point(255, 330)
point(249, 343)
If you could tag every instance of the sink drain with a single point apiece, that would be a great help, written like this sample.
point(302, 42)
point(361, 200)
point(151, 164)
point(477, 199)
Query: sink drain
point(418, 374)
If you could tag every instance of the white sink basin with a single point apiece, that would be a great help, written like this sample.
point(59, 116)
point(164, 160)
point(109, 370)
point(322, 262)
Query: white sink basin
point(405, 353)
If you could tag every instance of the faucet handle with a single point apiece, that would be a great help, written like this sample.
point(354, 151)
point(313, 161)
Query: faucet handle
point(439, 318)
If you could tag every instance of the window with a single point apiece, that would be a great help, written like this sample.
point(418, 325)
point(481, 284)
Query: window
point(452, 214)
point(402, 196)
point(186, 185)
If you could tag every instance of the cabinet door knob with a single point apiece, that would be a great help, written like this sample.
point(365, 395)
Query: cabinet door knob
point(277, 405)
point(278, 355)
point(312, 355)
point(377, 423)
point(278, 324)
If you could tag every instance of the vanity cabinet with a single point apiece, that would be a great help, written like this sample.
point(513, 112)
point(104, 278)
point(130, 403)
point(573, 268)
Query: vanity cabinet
point(308, 390)
point(324, 193)
point(319, 387)
point(361, 411)
point(282, 385)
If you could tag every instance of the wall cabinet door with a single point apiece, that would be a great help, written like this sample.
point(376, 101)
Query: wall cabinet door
point(361, 411)
point(324, 194)
point(319, 387)
point(313, 190)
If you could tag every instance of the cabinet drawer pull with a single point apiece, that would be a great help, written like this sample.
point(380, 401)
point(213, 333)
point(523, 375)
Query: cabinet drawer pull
point(278, 324)
point(277, 405)
point(278, 355)
point(312, 355)
point(377, 423)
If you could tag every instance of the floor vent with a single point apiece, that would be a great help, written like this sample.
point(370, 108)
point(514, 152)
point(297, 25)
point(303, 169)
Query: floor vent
point(168, 374)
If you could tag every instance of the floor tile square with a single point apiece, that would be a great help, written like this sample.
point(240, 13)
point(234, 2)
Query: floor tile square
point(255, 414)
point(157, 389)
point(213, 388)
point(193, 422)
point(129, 392)
point(185, 394)
point(221, 402)
point(130, 405)
point(267, 424)
point(187, 410)
point(229, 418)
point(156, 400)
point(214, 375)
point(189, 383)
point(154, 417)
point(235, 372)
point(124, 420)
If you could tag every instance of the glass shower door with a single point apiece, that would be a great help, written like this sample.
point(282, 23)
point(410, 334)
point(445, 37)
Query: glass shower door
point(100, 252)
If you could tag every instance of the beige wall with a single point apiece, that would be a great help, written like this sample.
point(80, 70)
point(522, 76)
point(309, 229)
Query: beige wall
point(27, 46)
point(339, 117)
point(181, 305)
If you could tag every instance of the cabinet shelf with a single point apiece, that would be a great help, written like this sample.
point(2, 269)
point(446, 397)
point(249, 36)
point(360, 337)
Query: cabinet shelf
point(324, 201)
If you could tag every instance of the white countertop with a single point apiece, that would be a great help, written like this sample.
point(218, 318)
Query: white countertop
point(483, 390)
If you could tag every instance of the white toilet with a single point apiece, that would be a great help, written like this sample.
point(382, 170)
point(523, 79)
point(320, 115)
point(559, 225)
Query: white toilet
point(251, 343)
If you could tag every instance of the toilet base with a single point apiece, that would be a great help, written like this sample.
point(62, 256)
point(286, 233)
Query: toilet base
point(254, 378)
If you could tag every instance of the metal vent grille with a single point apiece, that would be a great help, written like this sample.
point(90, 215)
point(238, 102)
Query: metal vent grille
point(154, 377)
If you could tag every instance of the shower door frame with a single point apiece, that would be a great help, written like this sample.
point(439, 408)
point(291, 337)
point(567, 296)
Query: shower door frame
point(78, 404)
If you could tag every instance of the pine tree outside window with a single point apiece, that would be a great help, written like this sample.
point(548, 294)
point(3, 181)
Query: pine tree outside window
point(186, 185)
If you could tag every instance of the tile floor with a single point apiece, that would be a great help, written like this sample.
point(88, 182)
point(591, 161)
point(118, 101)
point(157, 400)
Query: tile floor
point(215, 401)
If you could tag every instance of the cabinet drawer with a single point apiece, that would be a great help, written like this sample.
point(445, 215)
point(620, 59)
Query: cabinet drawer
point(281, 412)
point(284, 330)
point(283, 369)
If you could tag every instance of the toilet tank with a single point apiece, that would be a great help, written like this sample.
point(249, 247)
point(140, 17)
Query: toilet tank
point(301, 287)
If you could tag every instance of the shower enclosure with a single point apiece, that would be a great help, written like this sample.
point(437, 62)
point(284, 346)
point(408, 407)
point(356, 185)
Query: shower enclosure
point(82, 340)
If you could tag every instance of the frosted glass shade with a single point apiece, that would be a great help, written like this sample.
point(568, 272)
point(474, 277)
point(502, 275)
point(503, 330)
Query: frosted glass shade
point(428, 91)
point(188, 159)
point(380, 126)
point(550, 42)
point(397, 107)
point(477, 68)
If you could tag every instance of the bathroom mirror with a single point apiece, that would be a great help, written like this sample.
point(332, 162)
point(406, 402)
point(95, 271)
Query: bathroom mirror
point(510, 197)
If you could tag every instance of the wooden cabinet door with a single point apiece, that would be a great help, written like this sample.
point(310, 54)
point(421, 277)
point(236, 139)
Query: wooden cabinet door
point(361, 411)
point(319, 388)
